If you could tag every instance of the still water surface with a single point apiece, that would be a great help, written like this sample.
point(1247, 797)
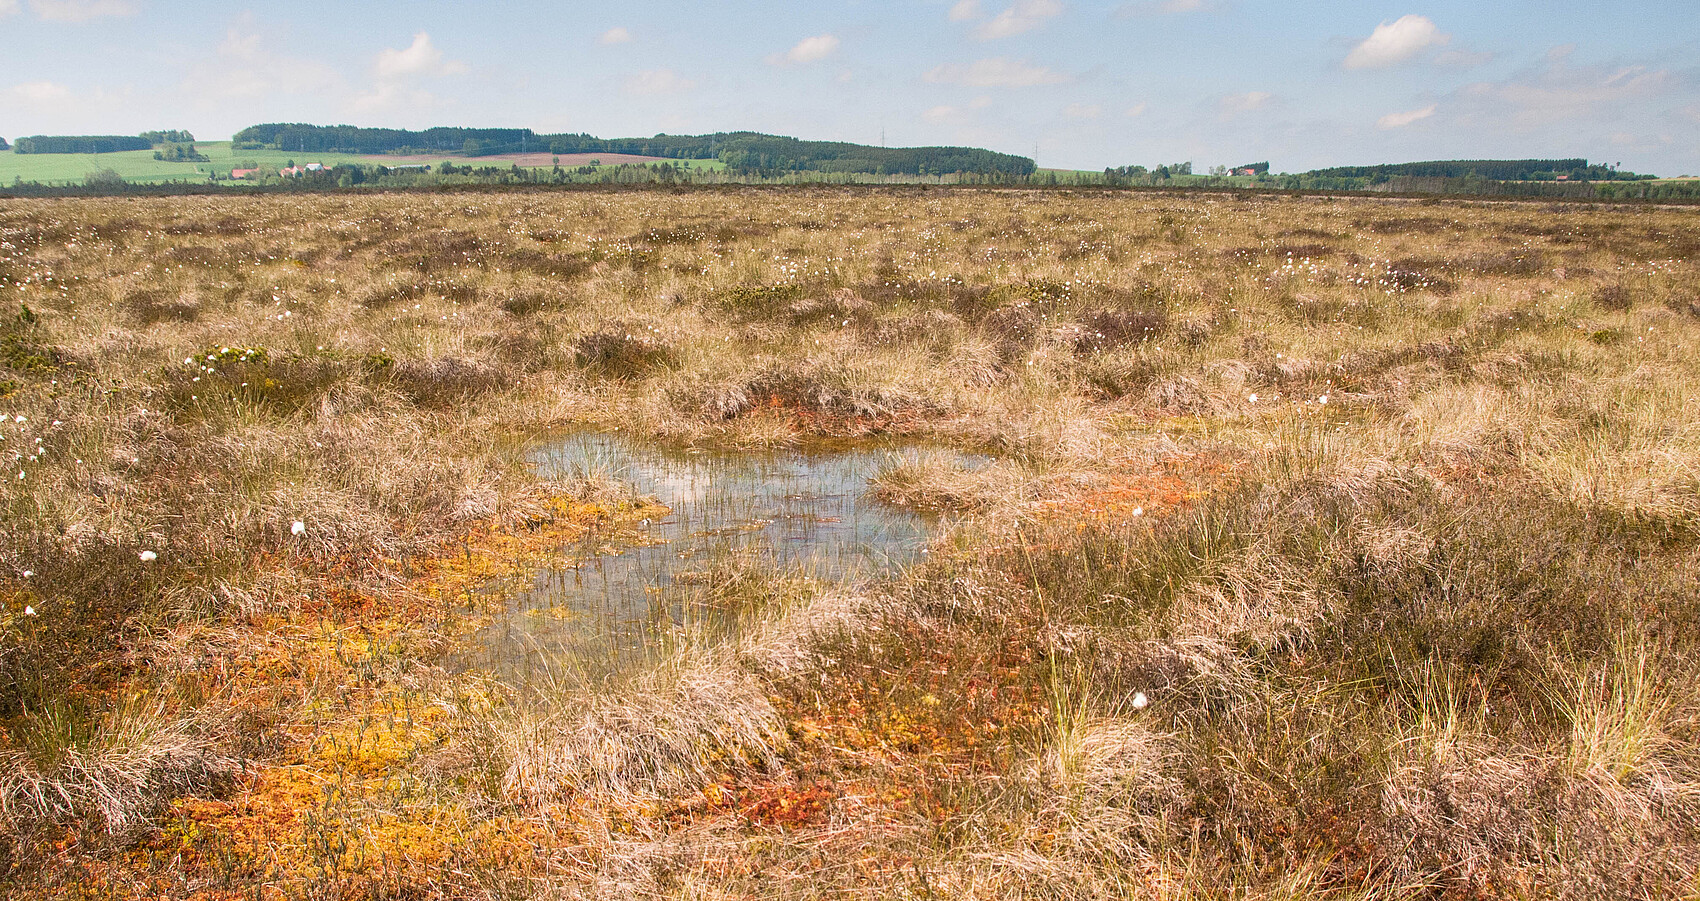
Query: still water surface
point(797, 512)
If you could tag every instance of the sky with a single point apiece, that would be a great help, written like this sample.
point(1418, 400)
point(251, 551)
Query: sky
point(1077, 84)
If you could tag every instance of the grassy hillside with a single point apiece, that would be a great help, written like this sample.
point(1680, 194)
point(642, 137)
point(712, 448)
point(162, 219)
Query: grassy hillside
point(742, 150)
point(140, 166)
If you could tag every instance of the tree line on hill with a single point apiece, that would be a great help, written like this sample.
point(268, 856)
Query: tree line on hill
point(181, 153)
point(1576, 178)
point(742, 151)
point(1491, 170)
point(678, 172)
point(80, 144)
point(98, 143)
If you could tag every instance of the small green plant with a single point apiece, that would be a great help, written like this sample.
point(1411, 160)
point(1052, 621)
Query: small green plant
point(758, 300)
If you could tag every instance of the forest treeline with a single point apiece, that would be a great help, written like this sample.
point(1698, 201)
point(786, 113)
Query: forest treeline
point(1492, 170)
point(98, 143)
point(669, 174)
point(80, 144)
point(744, 151)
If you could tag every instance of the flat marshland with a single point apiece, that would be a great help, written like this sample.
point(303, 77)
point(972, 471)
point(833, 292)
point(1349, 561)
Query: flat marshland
point(1285, 547)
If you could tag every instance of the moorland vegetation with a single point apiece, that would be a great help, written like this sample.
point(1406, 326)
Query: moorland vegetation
point(1323, 547)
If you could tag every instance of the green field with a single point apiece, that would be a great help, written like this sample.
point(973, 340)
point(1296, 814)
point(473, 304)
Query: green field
point(139, 165)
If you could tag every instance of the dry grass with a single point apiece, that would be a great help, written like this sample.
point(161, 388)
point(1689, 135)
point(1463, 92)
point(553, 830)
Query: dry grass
point(1385, 508)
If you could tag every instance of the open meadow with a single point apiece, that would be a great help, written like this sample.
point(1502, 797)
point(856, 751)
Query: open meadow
point(139, 166)
point(1279, 547)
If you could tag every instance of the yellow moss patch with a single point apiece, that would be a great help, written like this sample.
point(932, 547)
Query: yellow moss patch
point(343, 805)
point(1127, 494)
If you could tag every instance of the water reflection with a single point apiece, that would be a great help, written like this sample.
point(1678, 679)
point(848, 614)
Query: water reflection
point(805, 514)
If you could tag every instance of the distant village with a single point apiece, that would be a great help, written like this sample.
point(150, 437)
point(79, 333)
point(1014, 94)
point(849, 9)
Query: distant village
point(291, 172)
point(310, 168)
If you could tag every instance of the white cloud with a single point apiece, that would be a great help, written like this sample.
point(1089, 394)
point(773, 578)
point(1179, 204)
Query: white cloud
point(658, 81)
point(1136, 110)
point(1245, 103)
point(1463, 59)
point(965, 10)
point(1560, 92)
point(80, 10)
point(245, 67)
point(617, 35)
point(1395, 42)
point(940, 113)
point(419, 59)
point(995, 72)
point(8, 7)
point(40, 92)
point(389, 96)
point(1400, 120)
point(1163, 7)
point(1025, 15)
point(1083, 111)
point(808, 50)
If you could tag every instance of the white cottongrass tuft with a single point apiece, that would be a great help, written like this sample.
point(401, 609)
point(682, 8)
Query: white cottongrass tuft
point(298, 528)
point(148, 556)
point(28, 610)
point(1140, 700)
point(1323, 400)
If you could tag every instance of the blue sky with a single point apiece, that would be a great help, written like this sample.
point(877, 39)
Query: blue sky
point(1089, 84)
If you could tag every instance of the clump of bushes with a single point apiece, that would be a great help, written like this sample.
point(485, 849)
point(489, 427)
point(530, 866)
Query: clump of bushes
point(448, 379)
point(758, 301)
point(623, 352)
point(1102, 330)
point(153, 305)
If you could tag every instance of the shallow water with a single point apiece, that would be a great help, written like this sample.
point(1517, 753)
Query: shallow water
point(805, 513)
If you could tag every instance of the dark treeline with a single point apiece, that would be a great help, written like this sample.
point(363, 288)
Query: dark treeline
point(173, 136)
point(180, 153)
point(301, 138)
point(470, 175)
point(748, 152)
point(81, 144)
point(1492, 170)
point(99, 143)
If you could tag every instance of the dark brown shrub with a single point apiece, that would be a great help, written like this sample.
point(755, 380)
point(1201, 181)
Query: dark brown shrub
point(623, 352)
point(1613, 297)
point(1110, 329)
